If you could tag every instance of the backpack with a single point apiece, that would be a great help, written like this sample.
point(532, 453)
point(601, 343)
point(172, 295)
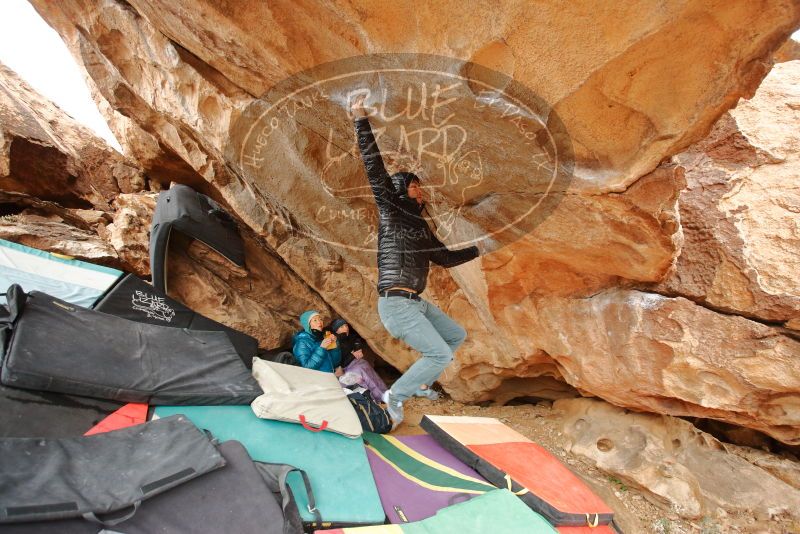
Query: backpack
point(279, 356)
point(372, 416)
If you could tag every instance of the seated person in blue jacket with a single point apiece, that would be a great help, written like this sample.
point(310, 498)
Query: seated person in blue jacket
point(313, 349)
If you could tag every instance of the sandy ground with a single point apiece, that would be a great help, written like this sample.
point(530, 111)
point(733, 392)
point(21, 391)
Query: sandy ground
point(635, 513)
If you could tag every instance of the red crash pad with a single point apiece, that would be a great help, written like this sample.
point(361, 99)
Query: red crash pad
point(508, 459)
point(133, 413)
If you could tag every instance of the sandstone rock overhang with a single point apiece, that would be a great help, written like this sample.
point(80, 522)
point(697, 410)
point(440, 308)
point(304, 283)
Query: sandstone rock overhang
point(633, 84)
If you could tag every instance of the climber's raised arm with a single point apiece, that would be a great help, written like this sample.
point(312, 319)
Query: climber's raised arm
point(376, 172)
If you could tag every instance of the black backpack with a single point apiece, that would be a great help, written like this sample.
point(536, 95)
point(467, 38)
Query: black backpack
point(279, 356)
point(373, 417)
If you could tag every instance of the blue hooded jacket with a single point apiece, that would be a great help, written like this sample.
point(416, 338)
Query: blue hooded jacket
point(308, 351)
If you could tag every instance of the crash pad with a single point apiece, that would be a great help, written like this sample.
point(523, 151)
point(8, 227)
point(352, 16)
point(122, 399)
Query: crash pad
point(337, 466)
point(497, 511)
point(249, 506)
point(74, 281)
point(507, 458)
point(49, 479)
point(40, 414)
point(134, 299)
point(314, 399)
point(416, 477)
point(133, 413)
point(195, 215)
point(63, 348)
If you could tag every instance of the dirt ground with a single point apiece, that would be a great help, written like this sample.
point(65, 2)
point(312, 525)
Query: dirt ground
point(635, 513)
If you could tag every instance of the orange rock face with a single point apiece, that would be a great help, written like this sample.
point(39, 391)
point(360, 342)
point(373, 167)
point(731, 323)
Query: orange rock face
point(740, 208)
point(191, 89)
point(669, 355)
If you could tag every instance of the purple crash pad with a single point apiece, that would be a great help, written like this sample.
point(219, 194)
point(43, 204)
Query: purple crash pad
point(416, 477)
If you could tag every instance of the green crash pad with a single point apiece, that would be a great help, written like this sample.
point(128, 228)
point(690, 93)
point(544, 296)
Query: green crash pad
point(337, 466)
point(497, 511)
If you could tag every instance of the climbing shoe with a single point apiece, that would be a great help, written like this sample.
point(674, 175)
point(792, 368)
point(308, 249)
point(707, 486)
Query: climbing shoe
point(428, 393)
point(394, 407)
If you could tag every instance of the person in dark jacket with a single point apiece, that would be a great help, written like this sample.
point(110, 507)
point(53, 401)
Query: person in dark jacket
point(346, 338)
point(356, 369)
point(406, 246)
point(312, 349)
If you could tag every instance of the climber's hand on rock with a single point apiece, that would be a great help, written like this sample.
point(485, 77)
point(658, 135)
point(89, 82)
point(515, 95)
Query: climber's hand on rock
point(357, 108)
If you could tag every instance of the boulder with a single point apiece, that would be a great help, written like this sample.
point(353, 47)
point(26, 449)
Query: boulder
point(783, 468)
point(46, 153)
point(671, 356)
point(739, 212)
point(675, 465)
point(129, 230)
point(53, 234)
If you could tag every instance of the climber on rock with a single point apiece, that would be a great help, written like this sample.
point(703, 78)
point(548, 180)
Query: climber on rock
point(406, 246)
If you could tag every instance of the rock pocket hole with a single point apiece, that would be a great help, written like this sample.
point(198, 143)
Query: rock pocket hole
point(604, 445)
point(676, 443)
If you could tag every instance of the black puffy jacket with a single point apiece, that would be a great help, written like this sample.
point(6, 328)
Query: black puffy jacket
point(406, 245)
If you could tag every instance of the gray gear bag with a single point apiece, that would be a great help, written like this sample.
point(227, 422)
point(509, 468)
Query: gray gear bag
point(92, 475)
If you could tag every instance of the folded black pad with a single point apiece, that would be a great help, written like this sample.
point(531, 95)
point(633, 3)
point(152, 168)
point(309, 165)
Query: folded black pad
point(135, 299)
point(91, 475)
point(39, 414)
point(57, 346)
point(184, 209)
point(232, 499)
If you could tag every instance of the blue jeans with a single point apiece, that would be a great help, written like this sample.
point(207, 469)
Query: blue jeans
point(425, 328)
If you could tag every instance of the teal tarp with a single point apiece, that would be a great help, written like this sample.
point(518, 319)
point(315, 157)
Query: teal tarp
point(337, 466)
